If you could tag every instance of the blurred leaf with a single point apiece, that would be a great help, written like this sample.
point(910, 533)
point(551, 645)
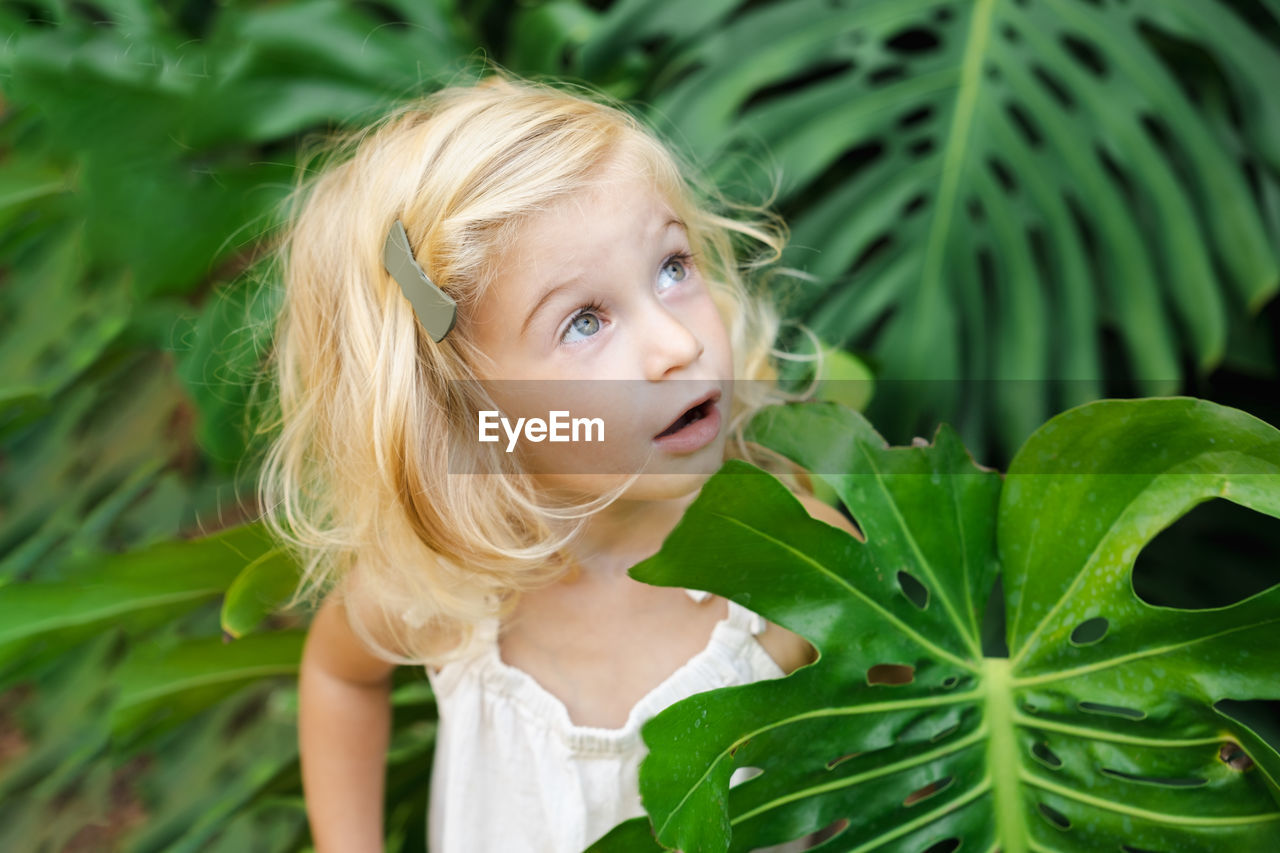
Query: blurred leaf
point(987, 187)
point(845, 380)
point(101, 589)
point(161, 685)
point(219, 363)
point(260, 589)
point(213, 767)
point(25, 179)
point(260, 828)
point(541, 34)
point(63, 323)
point(64, 724)
point(68, 475)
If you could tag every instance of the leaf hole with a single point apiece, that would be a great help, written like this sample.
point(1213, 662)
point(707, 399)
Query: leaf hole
point(1238, 541)
point(1086, 54)
point(1003, 175)
point(1055, 818)
point(915, 117)
point(1054, 86)
point(1090, 631)
point(827, 70)
point(914, 40)
point(836, 762)
point(850, 164)
point(946, 845)
point(1234, 756)
point(887, 74)
point(891, 674)
point(928, 791)
point(950, 682)
point(920, 148)
point(743, 774)
point(916, 203)
point(1112, 711)
point(974, 209)
point(830, 831)
point(1161, 781)
point(1009, 34)
point(916, 592)
point(945, 733)
point(875, 249)
point(1129, 848)
point(988, 281)
point(1046, 756)
point(1025, 125)
point(1040, 248)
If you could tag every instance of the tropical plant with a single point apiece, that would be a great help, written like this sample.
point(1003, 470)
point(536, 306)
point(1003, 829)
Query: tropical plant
point(142, 149)
point(1012, 206)
point(1103, 729)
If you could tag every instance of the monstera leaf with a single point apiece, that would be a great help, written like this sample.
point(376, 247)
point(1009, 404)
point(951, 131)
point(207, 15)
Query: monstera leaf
point(1099, 731)
point(982, 187)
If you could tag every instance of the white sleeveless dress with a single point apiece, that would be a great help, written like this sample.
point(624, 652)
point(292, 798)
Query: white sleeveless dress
point(512, 774)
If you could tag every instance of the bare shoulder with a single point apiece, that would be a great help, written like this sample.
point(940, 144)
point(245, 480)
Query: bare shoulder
point(825, 512)
point(788, 649)
point(334, 648)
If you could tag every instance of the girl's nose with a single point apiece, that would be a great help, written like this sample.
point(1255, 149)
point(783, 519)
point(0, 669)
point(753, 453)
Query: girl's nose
point(669, 343)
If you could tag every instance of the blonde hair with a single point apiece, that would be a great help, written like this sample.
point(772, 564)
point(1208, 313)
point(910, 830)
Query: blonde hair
point(356, 482)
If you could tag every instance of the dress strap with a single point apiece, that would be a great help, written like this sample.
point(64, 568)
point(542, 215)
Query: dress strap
point(745, 619)
point(739, 616)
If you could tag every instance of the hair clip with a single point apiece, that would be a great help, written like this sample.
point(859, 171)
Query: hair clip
point(436, 309)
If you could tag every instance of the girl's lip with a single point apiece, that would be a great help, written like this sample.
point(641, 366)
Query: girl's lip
point(693, 436)
point(712, 396)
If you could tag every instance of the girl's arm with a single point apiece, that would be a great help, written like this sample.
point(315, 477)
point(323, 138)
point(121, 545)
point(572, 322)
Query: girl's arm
point(344, 723)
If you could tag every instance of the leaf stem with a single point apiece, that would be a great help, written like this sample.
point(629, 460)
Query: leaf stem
point(1002, 755)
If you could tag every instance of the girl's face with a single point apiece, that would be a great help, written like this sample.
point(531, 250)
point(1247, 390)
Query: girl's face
point(598, 310)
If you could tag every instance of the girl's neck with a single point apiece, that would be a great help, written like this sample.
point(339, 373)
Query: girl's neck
point(626, 532)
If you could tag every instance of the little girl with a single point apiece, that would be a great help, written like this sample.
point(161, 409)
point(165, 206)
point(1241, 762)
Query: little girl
point(508, 250)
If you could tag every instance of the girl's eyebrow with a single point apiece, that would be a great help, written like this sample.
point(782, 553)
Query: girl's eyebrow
point(542, 301)
point(546, 296)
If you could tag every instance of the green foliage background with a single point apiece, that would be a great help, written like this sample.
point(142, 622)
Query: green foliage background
point(1004, 207)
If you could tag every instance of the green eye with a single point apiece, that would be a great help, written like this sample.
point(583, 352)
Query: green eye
point(676, 269)
point(586, 323)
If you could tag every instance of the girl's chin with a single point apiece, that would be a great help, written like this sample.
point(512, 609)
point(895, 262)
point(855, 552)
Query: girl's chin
point(646, 487)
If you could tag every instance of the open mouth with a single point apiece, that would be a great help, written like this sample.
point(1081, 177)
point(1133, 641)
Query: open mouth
point(693, 415)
